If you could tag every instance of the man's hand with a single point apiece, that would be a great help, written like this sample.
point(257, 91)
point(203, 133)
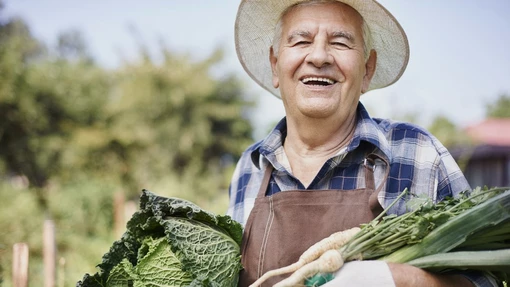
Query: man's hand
point(382, 274)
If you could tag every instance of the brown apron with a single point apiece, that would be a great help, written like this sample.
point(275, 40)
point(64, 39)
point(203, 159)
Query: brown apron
point(282, 226)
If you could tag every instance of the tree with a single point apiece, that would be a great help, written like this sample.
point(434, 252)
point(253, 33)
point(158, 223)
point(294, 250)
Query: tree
point(447, 132)
point(65, 116)
point(17, 47)
point(500, 108)
point(42, 103)
point(175, 116)
point(78, 133)
point(72, 46)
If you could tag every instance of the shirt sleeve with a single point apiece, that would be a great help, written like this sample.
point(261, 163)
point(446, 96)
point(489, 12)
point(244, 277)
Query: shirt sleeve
point(450, 178)
point(233, 190)
point(480, 279)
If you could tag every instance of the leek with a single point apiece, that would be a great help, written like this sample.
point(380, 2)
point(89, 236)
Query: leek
point(431, 228)
point(456, 233)
point(491, 260)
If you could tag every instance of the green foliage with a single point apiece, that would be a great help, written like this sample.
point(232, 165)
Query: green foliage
point(173, 116)
point(17, 224)
point(73, 133)
point(500, 108)
point(72, 46)
point(82, 212)
point(42, 103)
point(62, 115)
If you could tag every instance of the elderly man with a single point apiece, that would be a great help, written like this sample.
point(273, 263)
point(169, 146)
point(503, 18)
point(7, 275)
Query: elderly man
point(328, 166)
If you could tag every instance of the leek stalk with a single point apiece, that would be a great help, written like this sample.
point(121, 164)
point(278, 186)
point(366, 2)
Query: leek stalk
point(455, 231)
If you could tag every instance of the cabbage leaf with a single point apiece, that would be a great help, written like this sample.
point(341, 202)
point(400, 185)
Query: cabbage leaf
point(171, 242)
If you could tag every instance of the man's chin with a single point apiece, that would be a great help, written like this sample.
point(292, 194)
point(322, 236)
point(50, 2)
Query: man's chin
point(317, 111)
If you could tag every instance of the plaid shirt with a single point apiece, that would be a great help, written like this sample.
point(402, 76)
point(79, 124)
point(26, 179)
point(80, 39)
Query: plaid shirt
point(416, 161)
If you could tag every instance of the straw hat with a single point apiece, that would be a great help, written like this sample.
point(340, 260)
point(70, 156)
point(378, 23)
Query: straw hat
point(254, 31)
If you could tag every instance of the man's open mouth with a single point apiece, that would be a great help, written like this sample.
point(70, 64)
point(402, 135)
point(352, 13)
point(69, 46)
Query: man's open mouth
point(317, 81)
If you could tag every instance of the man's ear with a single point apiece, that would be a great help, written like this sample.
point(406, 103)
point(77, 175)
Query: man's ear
point(369, 70)
point(273, 59)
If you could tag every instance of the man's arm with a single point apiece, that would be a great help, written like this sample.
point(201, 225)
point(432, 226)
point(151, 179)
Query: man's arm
point(407, 275)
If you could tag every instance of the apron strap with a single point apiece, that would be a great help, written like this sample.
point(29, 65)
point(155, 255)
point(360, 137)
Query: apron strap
point(369, 163)
point(265, 181)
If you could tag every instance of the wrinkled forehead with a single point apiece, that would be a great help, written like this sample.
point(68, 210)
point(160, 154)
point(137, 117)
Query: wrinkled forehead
point(344, 11)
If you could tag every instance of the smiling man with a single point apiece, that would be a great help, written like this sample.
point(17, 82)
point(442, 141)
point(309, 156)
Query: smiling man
point(328, 166)
point(320, 69)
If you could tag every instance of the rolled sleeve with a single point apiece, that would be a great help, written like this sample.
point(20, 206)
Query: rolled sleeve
point(481, 279)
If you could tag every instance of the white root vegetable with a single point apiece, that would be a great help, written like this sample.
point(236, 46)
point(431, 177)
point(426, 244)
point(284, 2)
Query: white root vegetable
point(332, 242)
point(330, 261)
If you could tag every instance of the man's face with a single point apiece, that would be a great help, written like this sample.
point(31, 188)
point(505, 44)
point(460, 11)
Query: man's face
point(320, 67)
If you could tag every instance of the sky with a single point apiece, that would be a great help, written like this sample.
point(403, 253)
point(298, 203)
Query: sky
point(460, 49)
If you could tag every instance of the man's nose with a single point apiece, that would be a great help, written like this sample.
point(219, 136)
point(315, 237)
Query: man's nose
point(319, 55)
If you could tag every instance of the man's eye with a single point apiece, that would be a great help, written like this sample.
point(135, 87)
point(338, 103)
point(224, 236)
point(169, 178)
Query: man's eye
point(340, 44)
point(302, 43)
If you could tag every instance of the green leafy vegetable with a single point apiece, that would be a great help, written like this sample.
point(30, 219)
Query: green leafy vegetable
point(172, 242)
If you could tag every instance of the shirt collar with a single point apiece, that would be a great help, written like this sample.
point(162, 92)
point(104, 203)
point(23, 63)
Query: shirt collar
point(366, 130)
point(271, 143)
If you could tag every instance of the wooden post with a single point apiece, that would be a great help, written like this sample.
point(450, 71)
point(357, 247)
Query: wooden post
point(119, 224)
point(20, 265)
point(129, 209)
point(49, 253)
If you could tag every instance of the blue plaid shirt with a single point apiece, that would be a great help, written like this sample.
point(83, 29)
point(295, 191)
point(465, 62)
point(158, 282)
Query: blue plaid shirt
point(416, 161)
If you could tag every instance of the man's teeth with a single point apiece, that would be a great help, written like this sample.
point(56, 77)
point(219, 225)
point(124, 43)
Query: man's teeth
point(317, 79)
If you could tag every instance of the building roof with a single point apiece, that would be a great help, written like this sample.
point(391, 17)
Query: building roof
point(495, 132)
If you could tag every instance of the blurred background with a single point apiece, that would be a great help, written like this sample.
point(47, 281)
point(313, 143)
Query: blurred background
point(101, 99)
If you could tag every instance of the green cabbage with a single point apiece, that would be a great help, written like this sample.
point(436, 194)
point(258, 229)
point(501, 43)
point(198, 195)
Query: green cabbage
point(172, 242)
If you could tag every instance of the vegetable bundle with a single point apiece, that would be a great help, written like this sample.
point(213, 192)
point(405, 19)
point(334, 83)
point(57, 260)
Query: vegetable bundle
point(172, 242)
point(471, 232)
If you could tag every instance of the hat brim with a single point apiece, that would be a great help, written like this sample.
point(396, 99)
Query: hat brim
point(254, 32)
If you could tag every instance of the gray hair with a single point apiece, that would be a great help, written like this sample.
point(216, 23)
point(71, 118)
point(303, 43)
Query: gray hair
point(367, 39)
